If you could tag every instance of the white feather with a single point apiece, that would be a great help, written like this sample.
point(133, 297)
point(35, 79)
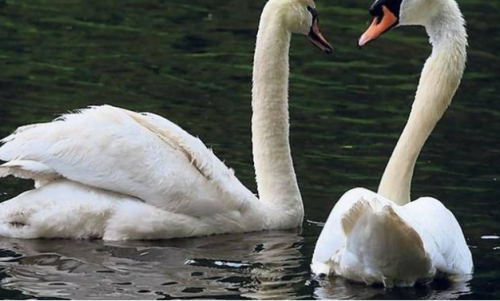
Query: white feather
point(370, 239)
point(144, 156)
point(65, 209)
point(383, 238)
point(25, 169)
point(112, 173)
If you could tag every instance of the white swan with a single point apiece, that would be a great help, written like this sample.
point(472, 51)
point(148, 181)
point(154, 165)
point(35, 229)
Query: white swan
point(114, 174)
point(383, 238)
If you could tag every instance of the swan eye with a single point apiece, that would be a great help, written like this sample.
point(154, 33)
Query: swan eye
point(376, 10)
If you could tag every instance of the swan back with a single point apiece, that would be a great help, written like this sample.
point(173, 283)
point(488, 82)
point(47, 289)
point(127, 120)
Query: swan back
point(368, 238)
point(382, 246)
point(176, 171)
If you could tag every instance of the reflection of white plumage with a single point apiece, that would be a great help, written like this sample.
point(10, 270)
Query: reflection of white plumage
point(261, 265)
point(383, 238)
point(112, 173)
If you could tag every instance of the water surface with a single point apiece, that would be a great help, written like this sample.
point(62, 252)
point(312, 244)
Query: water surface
point(191, 61)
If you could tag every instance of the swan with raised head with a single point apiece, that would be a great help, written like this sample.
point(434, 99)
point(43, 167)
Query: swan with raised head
point(383, 237)
point(110, 173)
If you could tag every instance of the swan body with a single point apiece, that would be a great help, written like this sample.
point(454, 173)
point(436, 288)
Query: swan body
point(106, 172)
point(371, 239)
point(383, 237)
point(66, 209)
point(98, 146)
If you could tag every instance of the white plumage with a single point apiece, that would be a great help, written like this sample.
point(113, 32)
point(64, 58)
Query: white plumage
point(111, 173)
point(370, 239)
point(65, 209)
point(141, 155)
point(383, 237)
point(116, 174)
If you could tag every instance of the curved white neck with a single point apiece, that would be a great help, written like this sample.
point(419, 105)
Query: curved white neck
point(276, 180)
point(439, 81)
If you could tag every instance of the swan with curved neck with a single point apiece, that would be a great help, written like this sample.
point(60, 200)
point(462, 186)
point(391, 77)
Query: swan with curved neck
point(383, 237)
point(110, 173)
point(270, 127)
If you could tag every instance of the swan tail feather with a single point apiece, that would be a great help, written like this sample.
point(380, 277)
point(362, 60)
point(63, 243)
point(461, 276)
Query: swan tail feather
point(381, 246)
point(19, 131)
point(351, 218)
point(406, 232)
point(26, 169)
point(382, 220)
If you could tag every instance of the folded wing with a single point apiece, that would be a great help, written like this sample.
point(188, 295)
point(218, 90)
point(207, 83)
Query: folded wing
point(136, 154)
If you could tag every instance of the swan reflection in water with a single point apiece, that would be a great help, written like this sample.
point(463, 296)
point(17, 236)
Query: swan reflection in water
point(340, 288)
point(264, 265)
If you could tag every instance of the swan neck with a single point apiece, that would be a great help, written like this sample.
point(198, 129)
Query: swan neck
point(439, 82)
point(275, 174)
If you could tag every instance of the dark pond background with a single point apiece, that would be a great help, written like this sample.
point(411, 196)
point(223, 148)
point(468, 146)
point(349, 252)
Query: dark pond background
point(191, 61)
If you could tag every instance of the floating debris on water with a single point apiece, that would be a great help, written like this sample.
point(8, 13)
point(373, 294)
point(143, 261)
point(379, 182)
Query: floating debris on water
point(490, 237)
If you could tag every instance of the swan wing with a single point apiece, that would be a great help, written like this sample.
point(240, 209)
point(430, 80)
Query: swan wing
point(333, 239)
point(25, 169)
point(137, 154)
point(442, 235)
point(370, 239)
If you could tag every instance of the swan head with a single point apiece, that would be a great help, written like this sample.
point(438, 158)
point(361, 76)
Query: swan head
point(299, 17)
point(387, 14)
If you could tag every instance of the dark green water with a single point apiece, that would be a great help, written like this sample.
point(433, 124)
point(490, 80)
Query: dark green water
point(190, 61)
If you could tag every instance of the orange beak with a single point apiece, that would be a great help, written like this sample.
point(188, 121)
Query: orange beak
point(378, 27)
